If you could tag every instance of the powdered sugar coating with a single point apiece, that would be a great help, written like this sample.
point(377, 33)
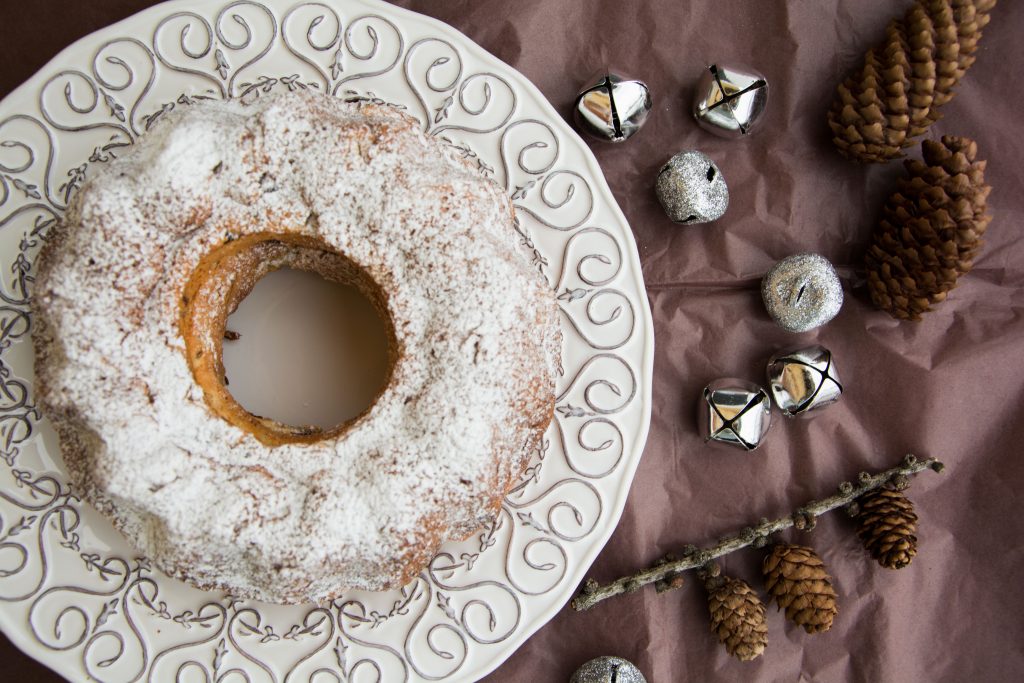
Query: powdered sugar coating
point(206, 501)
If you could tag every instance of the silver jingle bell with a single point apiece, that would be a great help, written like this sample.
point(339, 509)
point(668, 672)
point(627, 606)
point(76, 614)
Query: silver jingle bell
point(691, 189)
point(730, 100)
point(803, 380)
point(735, 412)
point(608, 670)
point(613, 108)
point(802, 292)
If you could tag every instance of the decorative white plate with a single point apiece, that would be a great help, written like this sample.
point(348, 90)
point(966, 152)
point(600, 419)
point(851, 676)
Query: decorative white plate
point(74, 595)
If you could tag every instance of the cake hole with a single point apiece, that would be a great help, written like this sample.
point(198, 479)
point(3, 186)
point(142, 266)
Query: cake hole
point(308, 352)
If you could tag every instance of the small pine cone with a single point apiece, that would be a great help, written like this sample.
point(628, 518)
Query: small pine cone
point(894, 97)
point(886, 523)
point(737, 615)
point(795, 576)
point(930, 230)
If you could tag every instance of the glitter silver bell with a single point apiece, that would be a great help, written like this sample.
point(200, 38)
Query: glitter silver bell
point(691, 189)
point(608, 670)
point(734, 412)
point(613, 108)
point(802, 292)
point(730, 100)
point(803, 380)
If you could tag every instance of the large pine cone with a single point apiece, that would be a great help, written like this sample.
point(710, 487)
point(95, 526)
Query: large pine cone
point(886, 523)
point(930, 230)
point(737, 616)
point(896, 94)
point(795, 576)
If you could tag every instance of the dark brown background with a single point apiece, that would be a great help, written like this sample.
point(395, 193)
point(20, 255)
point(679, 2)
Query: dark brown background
point(951, 386)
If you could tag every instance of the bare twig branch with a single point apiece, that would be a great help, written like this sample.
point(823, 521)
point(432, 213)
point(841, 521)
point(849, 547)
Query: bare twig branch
point(666, 573)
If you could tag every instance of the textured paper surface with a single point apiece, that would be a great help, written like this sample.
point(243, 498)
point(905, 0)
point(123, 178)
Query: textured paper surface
point(951, 386)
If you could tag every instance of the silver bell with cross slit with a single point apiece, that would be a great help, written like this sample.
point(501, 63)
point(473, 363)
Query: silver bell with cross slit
point(608, 670)
point(612, 108)
point(734, 412)
point(803, 380)
point(730, 100)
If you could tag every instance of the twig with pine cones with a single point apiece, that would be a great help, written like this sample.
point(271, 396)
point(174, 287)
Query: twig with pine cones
point(795, 577)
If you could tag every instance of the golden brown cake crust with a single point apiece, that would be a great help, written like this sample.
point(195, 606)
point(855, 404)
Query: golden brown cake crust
point(132, 297)
point(223, 278)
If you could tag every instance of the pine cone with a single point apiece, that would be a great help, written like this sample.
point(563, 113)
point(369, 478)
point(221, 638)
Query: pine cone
point(886, 523)
point(737, 615)
point(930, 230)
point(795, 576)
point(895, 95)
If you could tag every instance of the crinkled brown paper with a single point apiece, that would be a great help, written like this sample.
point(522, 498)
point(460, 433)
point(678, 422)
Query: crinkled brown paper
point(951, 386)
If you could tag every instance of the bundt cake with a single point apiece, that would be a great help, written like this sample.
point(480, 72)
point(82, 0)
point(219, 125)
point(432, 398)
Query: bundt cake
point(132, 295)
